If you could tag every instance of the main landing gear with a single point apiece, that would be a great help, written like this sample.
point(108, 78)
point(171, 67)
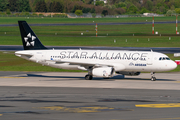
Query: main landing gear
point(88, 77)
point(153, 78)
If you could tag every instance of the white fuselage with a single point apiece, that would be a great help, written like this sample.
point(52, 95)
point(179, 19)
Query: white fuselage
point(119, 60)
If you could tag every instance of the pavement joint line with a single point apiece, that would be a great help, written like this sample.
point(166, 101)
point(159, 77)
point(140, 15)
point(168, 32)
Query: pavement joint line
point(11, 77)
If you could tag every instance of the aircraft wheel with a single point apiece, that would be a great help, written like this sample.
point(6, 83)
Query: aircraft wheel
point(88, 77)
point(153, 78)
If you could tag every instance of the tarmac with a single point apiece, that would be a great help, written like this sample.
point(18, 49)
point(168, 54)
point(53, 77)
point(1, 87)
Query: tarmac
point(165, 81)
point(68, 96)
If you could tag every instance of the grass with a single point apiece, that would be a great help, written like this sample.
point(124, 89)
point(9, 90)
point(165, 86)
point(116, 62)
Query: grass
point(71, 35)
point(13, 20)
point(154, 41)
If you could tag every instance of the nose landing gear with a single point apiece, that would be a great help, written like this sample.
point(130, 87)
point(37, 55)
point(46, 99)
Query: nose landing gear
point(153, 78)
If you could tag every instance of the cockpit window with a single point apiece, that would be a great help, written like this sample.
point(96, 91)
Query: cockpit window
point(164, 58)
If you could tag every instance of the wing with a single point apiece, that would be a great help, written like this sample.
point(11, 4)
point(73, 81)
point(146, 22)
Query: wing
point(92, 63)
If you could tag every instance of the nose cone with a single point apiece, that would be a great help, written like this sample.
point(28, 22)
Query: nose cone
point(172, 65)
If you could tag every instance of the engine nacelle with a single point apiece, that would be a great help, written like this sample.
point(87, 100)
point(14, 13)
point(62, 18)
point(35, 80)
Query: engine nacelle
point(103, 72)
point(129, 73)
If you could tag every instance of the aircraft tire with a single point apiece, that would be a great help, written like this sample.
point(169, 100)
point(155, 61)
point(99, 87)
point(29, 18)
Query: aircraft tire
point(88, 77)
point(153, 78)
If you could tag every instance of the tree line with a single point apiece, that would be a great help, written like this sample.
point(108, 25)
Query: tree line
point(112, 7)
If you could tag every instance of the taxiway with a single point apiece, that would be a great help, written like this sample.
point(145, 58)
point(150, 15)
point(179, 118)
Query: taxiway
point(67, 96)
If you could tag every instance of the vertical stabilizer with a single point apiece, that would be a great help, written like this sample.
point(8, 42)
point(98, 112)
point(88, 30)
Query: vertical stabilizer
point(29, 39)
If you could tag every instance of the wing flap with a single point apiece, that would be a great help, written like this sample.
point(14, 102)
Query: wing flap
point(83, 63)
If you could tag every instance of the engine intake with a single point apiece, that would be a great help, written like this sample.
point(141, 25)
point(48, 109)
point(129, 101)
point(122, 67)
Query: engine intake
point(103, 72)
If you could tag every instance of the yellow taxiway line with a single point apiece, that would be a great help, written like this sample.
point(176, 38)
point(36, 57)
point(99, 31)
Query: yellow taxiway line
point(168, 105)
point(87, 109)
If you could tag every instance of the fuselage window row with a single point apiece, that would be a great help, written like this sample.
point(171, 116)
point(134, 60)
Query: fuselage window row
point(101, 58)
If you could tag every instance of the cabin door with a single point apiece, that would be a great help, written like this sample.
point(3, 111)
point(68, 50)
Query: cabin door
point(150, 59)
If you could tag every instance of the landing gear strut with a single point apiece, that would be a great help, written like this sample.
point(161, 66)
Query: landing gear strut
point(153, 78)
point(88, 77)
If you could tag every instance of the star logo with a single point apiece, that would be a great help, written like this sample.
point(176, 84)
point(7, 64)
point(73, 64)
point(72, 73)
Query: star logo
point(131, 64)
point(29, 40)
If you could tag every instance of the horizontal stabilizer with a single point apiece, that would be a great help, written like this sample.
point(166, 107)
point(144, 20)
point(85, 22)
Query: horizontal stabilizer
point(20, 53)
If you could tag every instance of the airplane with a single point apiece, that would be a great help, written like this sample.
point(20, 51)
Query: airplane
point(99, 63)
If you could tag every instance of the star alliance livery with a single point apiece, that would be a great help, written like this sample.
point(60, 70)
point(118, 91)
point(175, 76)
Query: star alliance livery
point(100, 63)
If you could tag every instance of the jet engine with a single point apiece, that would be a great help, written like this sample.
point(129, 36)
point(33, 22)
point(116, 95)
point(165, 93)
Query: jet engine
point(103, 72)
point(129, 73)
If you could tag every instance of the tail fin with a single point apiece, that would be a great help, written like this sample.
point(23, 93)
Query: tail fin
point(29, 39)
